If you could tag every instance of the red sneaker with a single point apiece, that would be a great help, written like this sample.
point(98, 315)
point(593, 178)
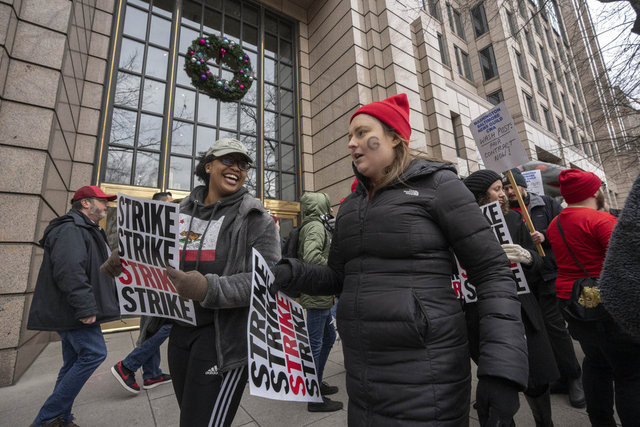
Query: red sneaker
point(125, 377)
point(156, 381)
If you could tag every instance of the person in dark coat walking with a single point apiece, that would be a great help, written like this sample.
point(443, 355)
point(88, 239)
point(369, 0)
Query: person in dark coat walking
point(402, 328)
point(72, 297)
point(486, 186)
point(620, 278)
point(542, 210)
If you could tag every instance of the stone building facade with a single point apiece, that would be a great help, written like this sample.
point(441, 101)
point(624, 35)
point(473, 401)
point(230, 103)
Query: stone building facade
point(94, 91)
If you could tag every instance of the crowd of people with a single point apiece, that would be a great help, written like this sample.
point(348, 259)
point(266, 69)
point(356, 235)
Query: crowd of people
point(407, 338)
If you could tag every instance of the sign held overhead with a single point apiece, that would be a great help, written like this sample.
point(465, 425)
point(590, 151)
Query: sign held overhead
point(498, 141)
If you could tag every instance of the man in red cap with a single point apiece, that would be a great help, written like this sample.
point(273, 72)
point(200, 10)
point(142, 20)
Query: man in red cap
point(72, 297)
point(579, 237)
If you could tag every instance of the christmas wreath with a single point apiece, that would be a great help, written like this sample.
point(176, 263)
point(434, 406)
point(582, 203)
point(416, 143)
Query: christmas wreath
point(224, 51)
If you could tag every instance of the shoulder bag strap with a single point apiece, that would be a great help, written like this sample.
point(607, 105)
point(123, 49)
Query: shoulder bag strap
point(569, 249)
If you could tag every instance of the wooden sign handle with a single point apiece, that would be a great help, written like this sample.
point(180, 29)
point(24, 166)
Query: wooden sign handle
point(523, 207)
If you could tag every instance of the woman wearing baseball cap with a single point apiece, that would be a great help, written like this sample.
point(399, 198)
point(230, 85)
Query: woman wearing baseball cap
point(220, 223)
point(402, 327)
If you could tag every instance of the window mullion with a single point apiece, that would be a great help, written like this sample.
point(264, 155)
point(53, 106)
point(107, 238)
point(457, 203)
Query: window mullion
point(260, 110)
point(165, 137)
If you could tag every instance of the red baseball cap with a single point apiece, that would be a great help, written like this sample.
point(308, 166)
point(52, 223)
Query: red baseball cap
point(92, 191)
point(393, 111)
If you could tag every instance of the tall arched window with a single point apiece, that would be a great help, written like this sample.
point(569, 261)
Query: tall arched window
point(157, 124)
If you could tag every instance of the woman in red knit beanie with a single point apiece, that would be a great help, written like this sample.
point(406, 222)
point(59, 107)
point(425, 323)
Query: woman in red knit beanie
point(403, 330)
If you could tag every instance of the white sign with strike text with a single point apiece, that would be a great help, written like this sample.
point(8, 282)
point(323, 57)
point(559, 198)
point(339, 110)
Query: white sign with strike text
point(460, 282)
point(147, 244)
point(281, 362)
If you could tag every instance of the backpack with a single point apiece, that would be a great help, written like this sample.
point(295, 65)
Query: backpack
point(290, 248)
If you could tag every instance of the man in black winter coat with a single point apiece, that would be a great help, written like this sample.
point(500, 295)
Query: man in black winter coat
point(72, 297)
point(542, 210)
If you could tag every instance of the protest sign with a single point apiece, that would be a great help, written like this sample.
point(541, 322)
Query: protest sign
point(534, 181)
point(147, 244)
point(281, 363)
point(459, 281)
point(498, 141)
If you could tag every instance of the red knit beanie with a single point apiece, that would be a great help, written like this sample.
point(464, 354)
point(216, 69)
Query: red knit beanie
point(393, 111)
point(577, 185)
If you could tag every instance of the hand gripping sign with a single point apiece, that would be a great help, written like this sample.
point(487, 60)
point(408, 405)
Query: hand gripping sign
point(460, 282)
point(281, 363)
point(147, 244)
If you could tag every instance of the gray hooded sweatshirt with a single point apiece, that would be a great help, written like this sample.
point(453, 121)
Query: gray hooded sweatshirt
point(226, 232)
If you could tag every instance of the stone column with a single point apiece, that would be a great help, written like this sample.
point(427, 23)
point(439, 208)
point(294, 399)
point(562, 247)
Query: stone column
point(52, 61)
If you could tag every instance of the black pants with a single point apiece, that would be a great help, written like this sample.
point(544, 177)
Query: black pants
point(206, 396)
point(559, 337)
point(610, 371)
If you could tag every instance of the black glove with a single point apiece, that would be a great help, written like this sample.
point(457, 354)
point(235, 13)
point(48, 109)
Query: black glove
point(283, 274)
point(497, 400)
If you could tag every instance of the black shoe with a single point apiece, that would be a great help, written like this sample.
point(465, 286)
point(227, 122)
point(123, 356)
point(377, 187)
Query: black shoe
point(125, 377)
point(327, 405)
point(559, 387)
point(327, 390)
point(58, 422)
point(156, 381)
point(576, 393)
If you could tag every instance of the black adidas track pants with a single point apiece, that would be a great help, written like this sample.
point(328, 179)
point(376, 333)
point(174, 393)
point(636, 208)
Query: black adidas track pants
point(206, 397)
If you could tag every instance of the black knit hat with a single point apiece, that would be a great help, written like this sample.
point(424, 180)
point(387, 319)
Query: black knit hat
point(517, 175)
point(479, 182)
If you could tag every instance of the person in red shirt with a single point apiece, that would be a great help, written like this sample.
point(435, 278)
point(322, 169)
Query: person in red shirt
point(611, 357)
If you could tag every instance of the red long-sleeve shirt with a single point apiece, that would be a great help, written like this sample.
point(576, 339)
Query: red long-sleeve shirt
point(587, 232)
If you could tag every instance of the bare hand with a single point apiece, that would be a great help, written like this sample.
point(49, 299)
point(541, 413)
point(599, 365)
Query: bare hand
point(88, 320)
point(537, 237)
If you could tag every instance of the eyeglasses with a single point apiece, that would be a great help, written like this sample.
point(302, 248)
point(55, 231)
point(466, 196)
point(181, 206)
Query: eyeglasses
point(243, 165)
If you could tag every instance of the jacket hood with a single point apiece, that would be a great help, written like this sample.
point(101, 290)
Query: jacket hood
point(417, 168)
point(197, 196)
point(72, 216)
point(314, 205)
point(535, 200)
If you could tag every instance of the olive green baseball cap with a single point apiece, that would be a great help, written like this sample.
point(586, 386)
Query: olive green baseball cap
point(225, 146)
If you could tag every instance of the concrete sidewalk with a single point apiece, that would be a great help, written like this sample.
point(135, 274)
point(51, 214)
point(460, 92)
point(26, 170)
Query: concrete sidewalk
point(103, 402)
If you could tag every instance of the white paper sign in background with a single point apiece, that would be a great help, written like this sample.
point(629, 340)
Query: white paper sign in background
point(534, 181)
point(498, 142)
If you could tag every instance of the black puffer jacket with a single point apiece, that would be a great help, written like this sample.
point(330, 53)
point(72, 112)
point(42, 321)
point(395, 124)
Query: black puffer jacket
point(402, 328)
point(70, 285)
point(542, 365)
